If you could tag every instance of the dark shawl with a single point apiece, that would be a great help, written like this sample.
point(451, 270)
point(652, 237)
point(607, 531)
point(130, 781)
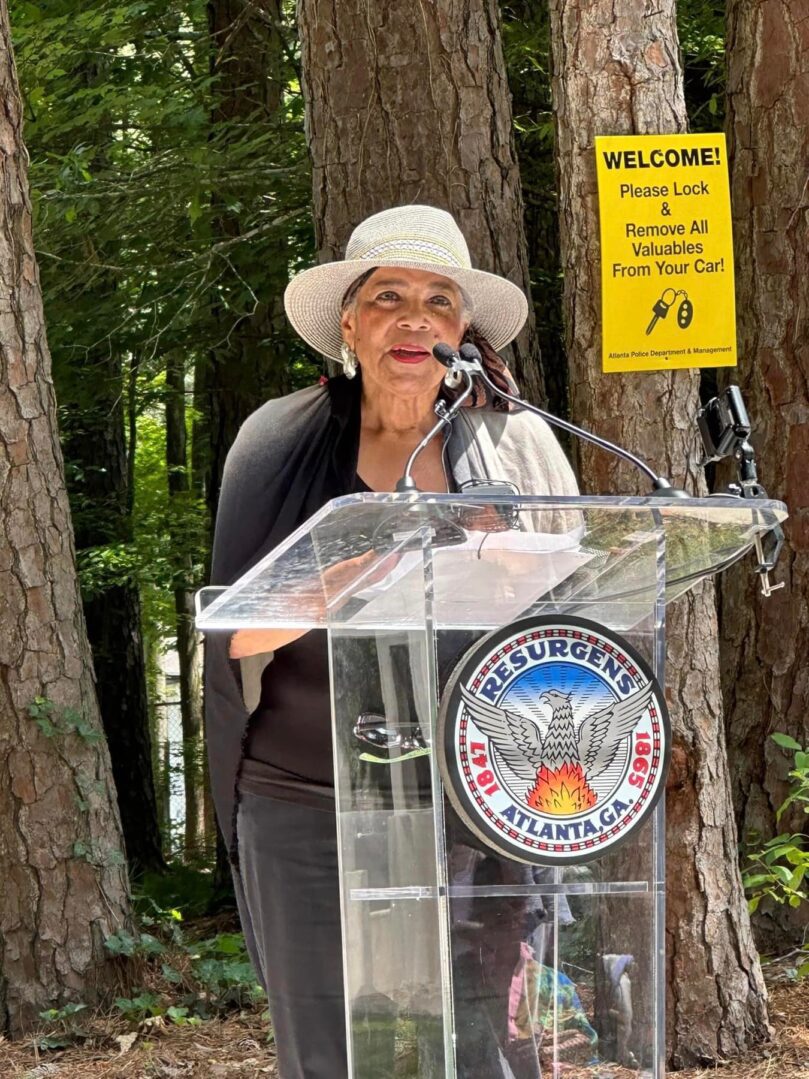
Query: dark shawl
point(290, 457)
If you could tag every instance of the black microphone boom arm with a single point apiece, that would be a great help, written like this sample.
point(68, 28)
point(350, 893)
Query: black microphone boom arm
point(469, 356)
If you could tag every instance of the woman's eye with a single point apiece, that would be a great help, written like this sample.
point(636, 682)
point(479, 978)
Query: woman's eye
point(388, 295)
point(442, 301)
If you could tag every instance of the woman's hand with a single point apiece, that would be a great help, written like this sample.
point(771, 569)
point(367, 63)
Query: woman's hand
point(251, 642)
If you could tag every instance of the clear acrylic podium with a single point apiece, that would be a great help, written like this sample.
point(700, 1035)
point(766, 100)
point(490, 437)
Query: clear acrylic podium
point(459, 962)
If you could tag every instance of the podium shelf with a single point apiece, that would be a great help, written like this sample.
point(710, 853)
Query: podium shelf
point(469, 891)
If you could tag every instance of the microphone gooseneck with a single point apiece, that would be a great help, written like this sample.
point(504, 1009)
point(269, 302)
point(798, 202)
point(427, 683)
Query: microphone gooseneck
point(407, 485)
point(471, 359)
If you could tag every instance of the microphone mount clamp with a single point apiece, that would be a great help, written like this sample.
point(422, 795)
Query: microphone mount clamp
point(725, 429)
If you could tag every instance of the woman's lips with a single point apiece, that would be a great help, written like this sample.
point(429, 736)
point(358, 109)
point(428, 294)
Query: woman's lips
point(405, 354)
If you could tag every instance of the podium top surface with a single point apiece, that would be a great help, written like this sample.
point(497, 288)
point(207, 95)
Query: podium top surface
point(486, 559)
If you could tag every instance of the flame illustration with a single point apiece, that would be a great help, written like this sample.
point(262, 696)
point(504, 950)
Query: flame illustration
point(564, 790)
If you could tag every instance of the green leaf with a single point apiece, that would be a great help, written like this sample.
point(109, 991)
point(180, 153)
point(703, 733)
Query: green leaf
point(121, 943)
point(785, 741)
point(70, 1010)
point(783, 874)
point(46, 726)
point(229, 943)
point(151, 945)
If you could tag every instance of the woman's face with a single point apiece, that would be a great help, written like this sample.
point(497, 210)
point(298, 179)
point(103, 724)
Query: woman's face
point(396, 318)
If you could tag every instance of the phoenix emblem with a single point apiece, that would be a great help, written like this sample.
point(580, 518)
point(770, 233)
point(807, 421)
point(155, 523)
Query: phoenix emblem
point(558, 769)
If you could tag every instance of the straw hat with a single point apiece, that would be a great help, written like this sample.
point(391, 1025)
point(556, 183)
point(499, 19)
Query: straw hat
point(416, 237)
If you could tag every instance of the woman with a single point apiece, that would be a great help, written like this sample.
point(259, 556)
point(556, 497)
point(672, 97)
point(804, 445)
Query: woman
point(405, 285)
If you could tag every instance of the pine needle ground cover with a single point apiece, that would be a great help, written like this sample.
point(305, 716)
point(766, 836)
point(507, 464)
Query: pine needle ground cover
point(238, 1043)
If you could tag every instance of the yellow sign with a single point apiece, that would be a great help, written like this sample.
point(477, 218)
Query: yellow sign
point(667, 285)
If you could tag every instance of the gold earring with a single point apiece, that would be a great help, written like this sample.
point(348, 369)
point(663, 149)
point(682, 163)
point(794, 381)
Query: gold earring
point(349, 358)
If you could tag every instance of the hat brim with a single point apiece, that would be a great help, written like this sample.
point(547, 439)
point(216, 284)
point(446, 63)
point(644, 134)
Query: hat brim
point(313, 300)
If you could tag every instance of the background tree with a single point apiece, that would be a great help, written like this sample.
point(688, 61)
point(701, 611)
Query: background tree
point(61, 859)
point(631, 83)
point(188, 650)
point(526, 42)
point(765, 641)
point(249, 358)
point(410, 103)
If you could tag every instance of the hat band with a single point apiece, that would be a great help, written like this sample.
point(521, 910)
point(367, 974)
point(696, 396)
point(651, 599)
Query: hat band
point(422, 250)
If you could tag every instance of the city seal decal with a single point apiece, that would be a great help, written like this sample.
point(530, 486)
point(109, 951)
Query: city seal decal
point(553, 740)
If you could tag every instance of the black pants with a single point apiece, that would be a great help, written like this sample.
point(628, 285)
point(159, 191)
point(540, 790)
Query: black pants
point(289, 903)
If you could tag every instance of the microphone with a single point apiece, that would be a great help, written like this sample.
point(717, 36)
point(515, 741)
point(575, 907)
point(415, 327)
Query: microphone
point(452, 361)
point(470, 361)
point(461, 373)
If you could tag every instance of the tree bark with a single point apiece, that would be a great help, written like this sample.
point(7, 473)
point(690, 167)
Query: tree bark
point(113, 626)
point(61, 858)
point(93, 437)
point(616, 71)
point(408, 103)
point(187, 639)
point(248, 364)
point(765, 642)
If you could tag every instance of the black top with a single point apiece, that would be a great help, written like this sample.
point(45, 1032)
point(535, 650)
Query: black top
point(288, 748)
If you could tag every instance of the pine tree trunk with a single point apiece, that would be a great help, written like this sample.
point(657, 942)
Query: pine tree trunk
point(93, 437)
point(765, 642)
point(187, 639)
point(616, 71)
point(113, 627)
point(248, 365)
point(61, 857)
point(408, 103)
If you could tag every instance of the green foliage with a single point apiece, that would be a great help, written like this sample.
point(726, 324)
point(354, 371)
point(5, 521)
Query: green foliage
point(65, 1030)
point(526, 44)
point(162, 222)
point(183, 888)
point(97, 854)
point(778, 869)
point(197, 979)
point(140, 1007)
point(701, 26)
point(170, 534)
point(52, 723)
point(123, 943)
point(131, 169)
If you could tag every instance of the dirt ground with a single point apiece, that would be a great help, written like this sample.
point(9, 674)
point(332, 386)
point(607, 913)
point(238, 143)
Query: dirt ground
point(238, 1048)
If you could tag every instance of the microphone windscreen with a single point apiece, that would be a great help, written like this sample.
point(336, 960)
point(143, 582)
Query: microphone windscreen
point(471, 353)
point(444, 354)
